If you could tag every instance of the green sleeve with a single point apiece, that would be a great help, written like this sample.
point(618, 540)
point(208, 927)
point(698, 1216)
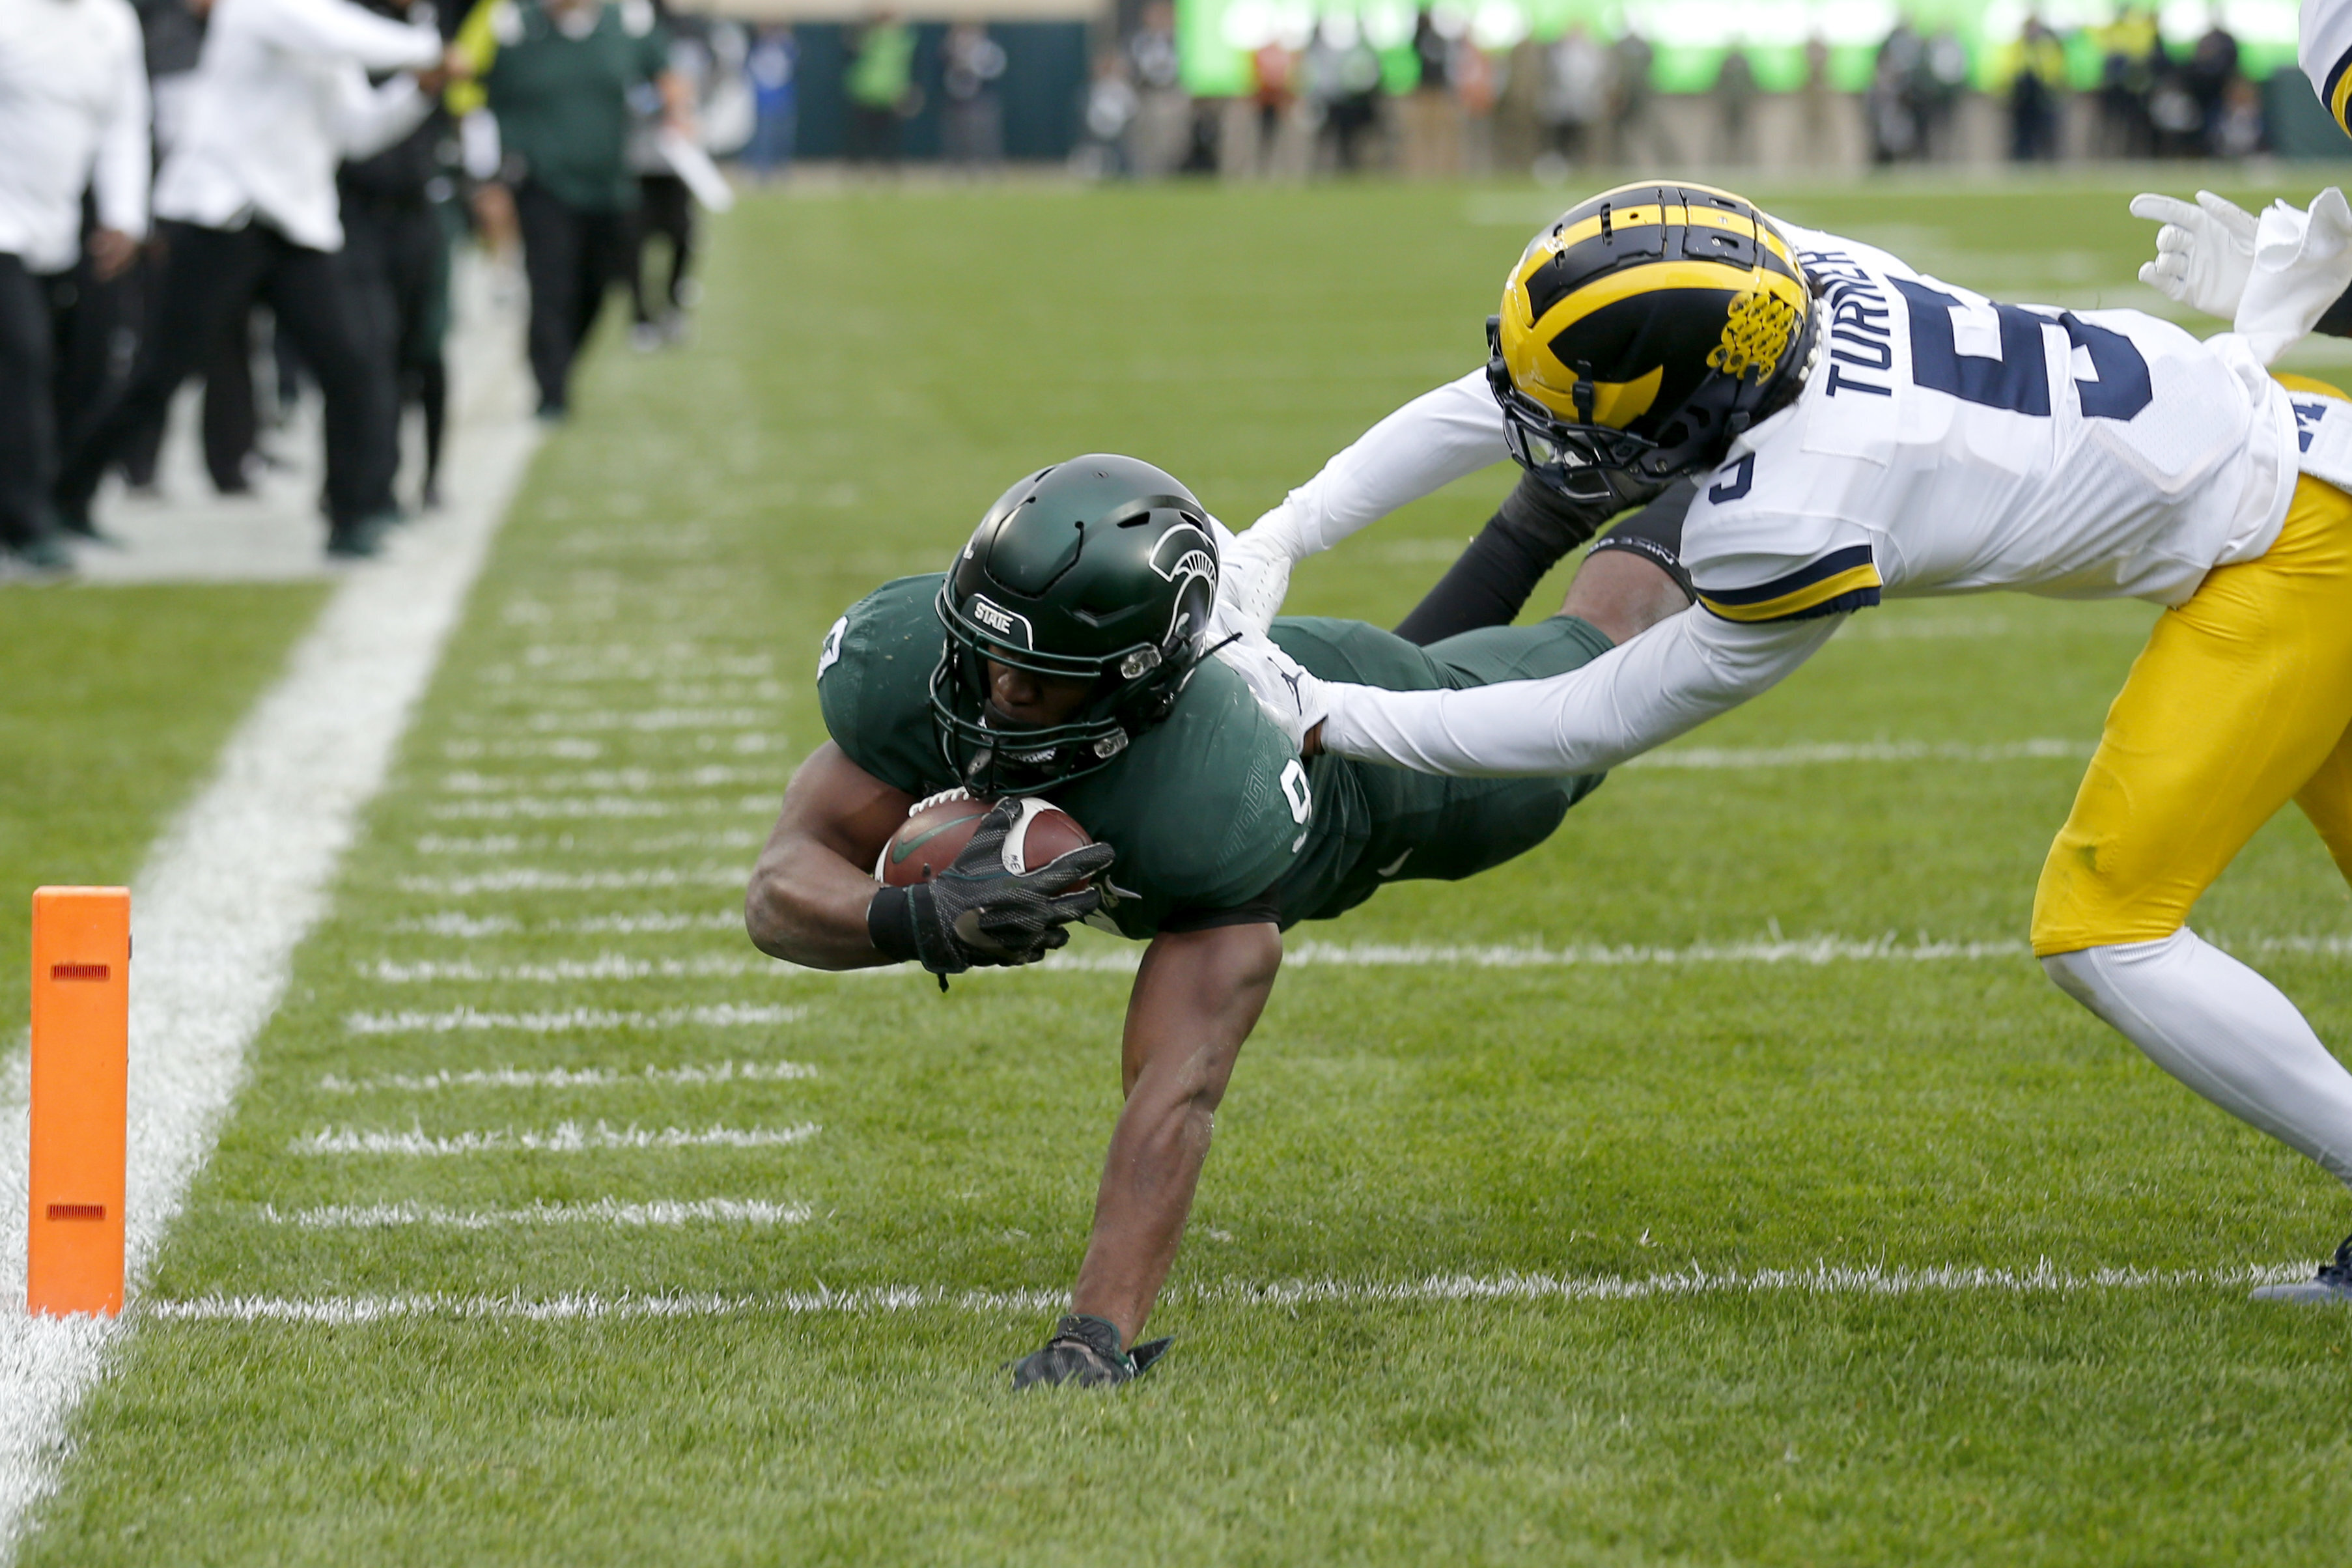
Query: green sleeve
point(873, 685)
point(652, 52)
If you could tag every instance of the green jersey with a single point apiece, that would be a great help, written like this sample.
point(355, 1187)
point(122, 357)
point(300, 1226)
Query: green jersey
point(1213, 814)
point(562, 96)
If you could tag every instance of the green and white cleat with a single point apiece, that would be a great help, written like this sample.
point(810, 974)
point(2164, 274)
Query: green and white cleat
point(2334, 1283)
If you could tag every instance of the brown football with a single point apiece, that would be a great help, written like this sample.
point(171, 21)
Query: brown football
point(935, 833)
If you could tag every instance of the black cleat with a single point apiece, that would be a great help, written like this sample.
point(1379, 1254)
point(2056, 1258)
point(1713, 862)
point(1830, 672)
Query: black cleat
point(2334, 1283)
point(1085, 1351)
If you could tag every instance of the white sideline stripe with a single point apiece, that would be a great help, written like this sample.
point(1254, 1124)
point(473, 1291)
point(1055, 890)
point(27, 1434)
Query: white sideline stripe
point(603, 1211)
point(227, 895)
point(1822, 1279)
point(547, 879)
point(563, 1137)
point(720, 1015)
point(649, 720)
point(1743, 757)
point(567, 1078)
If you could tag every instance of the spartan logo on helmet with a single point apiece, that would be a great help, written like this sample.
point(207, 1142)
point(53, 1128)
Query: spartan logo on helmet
point(1644, 331)
point(1101, 569)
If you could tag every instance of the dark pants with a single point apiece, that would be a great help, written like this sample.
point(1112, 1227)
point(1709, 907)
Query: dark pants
point(397, 257)
point(665, 207)
point(210, 280)
point(571, 257)
point(31, 310)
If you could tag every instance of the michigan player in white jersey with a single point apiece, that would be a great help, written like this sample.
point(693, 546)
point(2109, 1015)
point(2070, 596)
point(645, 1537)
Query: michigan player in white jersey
point(1861, 430)
point(2323, 47)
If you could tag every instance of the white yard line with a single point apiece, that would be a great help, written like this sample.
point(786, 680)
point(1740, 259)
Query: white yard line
point(563, 1137)
point(1743, 758)
point(548, 879)
point(1822, 1279)
point(720, 1016)
point(230, 890)
point(691, 1077)
point(603, 1212)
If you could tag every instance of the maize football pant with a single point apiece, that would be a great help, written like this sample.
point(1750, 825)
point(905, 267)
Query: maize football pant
point(2241, 701)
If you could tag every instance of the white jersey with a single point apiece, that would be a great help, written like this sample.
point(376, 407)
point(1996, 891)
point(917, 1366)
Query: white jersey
point(2323, 46)
point(1946, 444)
point(1943, 444)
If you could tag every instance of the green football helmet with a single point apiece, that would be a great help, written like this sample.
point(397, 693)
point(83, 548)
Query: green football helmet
point(1102, 569)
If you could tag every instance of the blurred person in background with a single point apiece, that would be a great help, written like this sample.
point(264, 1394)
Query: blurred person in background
point(2036, 67)
point(1432, 115)
point(2239, 132)
point(774, 65)
point(559, 75)
point(1520, 131)
point(1161, 137)
point(1636, 131)
point(2130, 56)
point(881, 88)
point(665, 209)
point(1477, 85)
point(971, 130)
point(2211, 66)
point(1891, 105)
point(1937, 85)
point(396, 257)
point(1109, 114)
point(1817, 140)
point(248, 207)
point(1735, 106)
point(73, 114)
point(1274, 93)
point(1576, 88)
point(1342, 79)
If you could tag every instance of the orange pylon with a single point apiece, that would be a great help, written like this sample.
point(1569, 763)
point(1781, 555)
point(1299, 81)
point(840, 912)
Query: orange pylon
point(81, 1074)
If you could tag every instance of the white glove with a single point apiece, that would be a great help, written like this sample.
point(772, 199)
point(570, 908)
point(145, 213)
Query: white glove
point(2203, 253)
point(1290, 696)
point(1254, 574)
point(2303, 264)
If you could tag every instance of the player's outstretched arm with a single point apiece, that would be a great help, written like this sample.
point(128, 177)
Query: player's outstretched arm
point(809, 893)
point(1196, 999)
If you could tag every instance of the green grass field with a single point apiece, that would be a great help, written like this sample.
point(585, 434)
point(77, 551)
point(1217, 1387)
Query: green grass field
point(1881, 1258)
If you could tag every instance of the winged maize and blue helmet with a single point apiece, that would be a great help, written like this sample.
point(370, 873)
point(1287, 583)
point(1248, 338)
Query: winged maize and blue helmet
point(1644, 331)
point(1102, 569)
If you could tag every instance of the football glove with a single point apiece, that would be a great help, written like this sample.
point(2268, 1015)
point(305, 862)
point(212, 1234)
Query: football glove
point(2203, 253)
point(1085, 1351)
point(1285, 691)
point(1253, 575)
point(976, 912)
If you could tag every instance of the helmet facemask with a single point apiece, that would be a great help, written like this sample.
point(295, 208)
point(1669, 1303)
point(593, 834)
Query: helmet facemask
point(1121, 602)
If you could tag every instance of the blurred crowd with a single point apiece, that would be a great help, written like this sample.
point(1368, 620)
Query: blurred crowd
point(262, 196)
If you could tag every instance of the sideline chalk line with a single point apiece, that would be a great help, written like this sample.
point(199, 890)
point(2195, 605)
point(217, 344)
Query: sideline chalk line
point(1821, 1279)
point(230, 891)
point(604, 1212)
point(563, 1137)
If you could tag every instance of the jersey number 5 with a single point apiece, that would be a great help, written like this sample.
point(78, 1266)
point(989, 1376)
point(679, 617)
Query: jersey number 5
point(2019, 381)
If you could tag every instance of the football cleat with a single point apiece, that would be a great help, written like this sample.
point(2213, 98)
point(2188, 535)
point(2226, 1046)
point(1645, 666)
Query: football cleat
point(1642, 332)
point(1085, 1351)
point(2333, 1284)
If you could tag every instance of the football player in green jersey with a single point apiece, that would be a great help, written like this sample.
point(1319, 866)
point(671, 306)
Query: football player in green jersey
point(1064, 654)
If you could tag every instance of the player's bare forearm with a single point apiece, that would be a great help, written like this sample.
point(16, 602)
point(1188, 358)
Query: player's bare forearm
point(807, 903)
point(1196, 998)
point(1622, 594)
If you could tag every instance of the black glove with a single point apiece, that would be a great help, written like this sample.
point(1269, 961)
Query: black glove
point(1085, 1351)
point(976, 913)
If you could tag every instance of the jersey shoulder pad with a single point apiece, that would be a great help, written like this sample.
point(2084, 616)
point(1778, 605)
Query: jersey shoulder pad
point(874, 684)
point(1759, 546)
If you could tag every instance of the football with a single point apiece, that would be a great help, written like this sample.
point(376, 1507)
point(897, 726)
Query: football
point(937, 830)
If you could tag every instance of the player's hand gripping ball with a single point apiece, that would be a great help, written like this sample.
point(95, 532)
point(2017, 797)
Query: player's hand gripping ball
point(992, 883)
